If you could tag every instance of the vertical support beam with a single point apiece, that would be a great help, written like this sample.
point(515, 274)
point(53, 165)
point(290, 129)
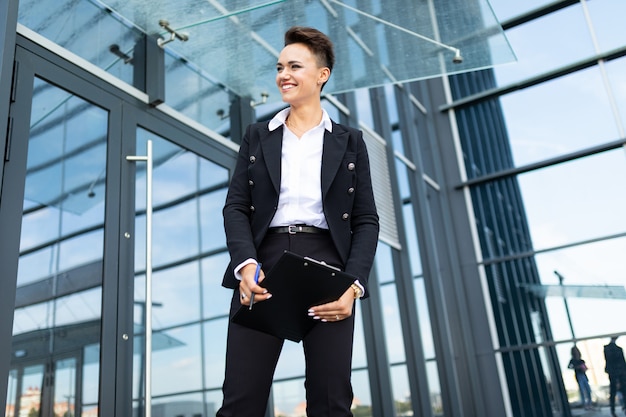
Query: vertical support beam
point(241, 115)
point(149, 69)
point(460, 307)
point(418, 384)
point(8, 25)
point(421, 196)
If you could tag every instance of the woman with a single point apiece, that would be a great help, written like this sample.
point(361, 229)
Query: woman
point(301, 183)
point(580, 372)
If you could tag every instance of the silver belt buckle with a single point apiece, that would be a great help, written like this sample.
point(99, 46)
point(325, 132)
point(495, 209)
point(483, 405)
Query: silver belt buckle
point(293, 230)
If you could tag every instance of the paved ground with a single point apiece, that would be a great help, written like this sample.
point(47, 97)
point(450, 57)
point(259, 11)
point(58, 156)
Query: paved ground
point(596, 412)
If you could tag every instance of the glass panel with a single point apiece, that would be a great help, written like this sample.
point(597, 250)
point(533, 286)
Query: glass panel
point(616, 71)
point(12, 386)
point(596, 265)
point(191, 91)
point(59, 294)
point(289, 398)
point(32, 387)
point(359, 350)
point(434, 388)
point(605, 17)
point(393, 326)
point(65, 387)
point(214, 350)
point(428, 344)
point(190, 405)
point(575, 201)
point(291, 361)
point(87, 29)
point(401, 390)
point(222, 36)
point(189, 259)
point(506, 9)
point(540, 48)
point(412, 243)
point(362, 403)
point(90, 377)
point(216, 300)
point(584, 117)
point(592, 352)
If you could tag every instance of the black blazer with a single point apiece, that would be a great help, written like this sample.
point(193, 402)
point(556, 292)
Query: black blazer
point(347, 197)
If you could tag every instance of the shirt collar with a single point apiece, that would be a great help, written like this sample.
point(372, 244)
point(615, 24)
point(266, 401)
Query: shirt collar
point(280, 118)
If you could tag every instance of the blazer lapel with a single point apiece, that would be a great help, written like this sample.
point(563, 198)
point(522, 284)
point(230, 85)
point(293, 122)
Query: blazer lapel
point(335, 144)
point(271, 145)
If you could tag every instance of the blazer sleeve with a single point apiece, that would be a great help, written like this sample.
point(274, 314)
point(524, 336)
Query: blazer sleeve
point(237, 212)
point(364, 222)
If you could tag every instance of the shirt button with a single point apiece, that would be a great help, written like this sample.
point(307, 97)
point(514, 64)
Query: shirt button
point(345, 216)
point(252, 208)
point(351, 190)
point(351, 166)
point(252, 159)
point(251, 183)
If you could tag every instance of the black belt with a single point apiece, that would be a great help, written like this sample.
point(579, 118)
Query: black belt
point(292, 230)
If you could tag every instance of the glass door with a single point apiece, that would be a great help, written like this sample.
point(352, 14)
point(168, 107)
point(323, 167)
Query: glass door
point(188, 305)
point(79, 252)
point(72, 211)
point(58, 307)
point(46, 388)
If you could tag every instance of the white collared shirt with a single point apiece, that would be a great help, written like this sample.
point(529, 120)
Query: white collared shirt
point(300, 198)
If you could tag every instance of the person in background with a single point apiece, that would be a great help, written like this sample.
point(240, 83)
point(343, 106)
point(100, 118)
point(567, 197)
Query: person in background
point(580, 372)
point(616, 368)
point(301, 183)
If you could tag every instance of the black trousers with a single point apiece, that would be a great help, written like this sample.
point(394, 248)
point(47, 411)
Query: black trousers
point(614, 379)
point(251, 356)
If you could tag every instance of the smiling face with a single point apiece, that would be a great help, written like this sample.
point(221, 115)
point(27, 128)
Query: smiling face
point(298, 75)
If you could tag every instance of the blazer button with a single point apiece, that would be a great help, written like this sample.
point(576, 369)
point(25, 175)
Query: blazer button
point(351, 190)
point(252, 159)
point(351, 166)
point(251, 183)
point(345, 216)
point(252, 208)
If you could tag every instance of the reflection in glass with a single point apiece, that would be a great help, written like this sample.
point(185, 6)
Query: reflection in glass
point(393, 325)
point(538, 133)
point(65, 387)
point(585, 201)
point(400, 388)
point(10, 410)
point(87, 29)
point(189, 258)
point(239, 38)
point(58, 299)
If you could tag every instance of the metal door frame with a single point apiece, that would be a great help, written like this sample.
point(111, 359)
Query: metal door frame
point(126, 113)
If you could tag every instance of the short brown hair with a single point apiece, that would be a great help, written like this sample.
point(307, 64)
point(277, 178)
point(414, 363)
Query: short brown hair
point(316, 41)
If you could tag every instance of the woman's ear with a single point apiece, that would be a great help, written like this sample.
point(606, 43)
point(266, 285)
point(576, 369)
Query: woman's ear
point(324, 75)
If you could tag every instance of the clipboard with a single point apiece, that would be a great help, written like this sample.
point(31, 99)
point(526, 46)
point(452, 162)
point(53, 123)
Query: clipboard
point(296, 283)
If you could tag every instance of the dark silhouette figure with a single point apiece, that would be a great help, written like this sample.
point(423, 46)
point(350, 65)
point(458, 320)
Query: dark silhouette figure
point(580, 371)
point(616, 368)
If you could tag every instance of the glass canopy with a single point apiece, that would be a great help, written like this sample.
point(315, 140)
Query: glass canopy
point(237, 42)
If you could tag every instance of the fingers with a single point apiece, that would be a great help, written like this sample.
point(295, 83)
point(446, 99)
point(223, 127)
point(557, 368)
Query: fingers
point(245, 293)
point(333, 311)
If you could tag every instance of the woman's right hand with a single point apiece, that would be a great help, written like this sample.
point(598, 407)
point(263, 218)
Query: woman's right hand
point(247, 286)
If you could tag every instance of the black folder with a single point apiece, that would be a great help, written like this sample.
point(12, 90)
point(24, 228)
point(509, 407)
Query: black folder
point(296, 283)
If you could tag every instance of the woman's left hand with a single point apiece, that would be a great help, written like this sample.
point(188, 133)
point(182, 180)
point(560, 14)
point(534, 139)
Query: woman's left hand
point(337, 310)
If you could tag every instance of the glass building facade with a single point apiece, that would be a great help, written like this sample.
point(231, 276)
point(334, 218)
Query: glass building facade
point(500, 192)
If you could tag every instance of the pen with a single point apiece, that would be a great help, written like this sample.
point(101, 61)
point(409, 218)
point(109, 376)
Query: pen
point(256, 281)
